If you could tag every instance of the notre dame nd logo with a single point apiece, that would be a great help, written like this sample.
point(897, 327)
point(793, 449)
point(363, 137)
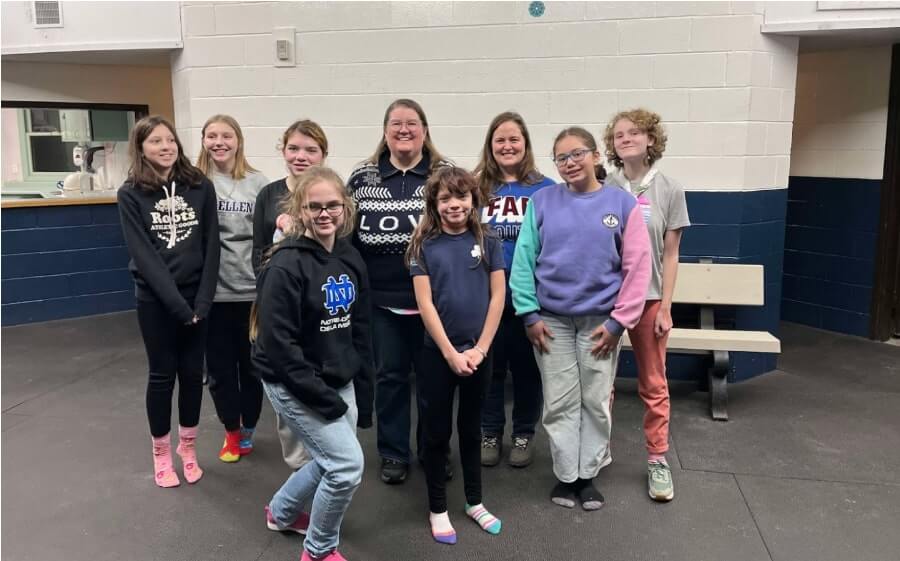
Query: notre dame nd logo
point(339, 294)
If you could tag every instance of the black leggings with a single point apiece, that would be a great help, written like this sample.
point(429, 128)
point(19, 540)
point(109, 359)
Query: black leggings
point(173, 350)
point(235, 391)
point(436, 385)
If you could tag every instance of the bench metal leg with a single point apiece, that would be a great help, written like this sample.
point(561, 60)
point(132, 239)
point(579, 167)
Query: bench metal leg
point(718, 386)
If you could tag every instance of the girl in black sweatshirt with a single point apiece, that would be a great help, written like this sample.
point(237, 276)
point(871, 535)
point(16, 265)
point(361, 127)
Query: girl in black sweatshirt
point(168, 212)
point(313, 352)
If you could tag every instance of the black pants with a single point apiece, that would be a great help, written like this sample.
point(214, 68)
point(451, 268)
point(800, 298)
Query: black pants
point(436, 385)
point(513, 349)
point(236, 392)
point(173, 350)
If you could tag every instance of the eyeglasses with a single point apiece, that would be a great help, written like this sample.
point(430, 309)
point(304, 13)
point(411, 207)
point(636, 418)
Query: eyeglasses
point(576, 155)
point(410, 125)
point(333, 209)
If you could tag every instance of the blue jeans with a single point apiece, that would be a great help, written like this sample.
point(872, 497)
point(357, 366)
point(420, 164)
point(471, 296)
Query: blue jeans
point(330, 478)
point(512, 350)
point(397, 342)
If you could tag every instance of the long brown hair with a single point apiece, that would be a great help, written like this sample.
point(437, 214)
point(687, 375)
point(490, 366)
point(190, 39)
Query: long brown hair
point(204, 161)
point(142, 173)
point(428, 146)
point(458, 182)
point(293, 206)
point(488, 171)
point(589, 142)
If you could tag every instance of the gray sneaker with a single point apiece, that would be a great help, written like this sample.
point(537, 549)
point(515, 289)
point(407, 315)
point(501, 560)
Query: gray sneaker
point(521, 454)
point(490, 450)
point(659, 481)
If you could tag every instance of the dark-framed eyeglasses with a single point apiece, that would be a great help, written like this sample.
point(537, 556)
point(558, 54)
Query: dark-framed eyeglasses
point(575, 155)
point(333, 209)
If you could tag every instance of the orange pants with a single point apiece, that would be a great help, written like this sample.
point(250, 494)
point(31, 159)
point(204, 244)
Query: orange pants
point(650, 355)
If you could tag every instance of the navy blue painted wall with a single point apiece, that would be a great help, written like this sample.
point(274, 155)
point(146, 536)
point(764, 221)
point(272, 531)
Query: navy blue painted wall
point(70, 261)
point(61, 262)
point(733, 227)
point(829, 257)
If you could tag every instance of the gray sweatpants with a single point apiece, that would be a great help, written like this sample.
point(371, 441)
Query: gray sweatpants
point(577, 397)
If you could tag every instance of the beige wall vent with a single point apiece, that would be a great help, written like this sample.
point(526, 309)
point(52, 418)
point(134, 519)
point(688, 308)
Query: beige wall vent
point(47, 14)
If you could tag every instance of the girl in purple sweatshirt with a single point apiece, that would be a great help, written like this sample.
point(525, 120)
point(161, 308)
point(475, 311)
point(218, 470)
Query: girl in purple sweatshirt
point(579, 279)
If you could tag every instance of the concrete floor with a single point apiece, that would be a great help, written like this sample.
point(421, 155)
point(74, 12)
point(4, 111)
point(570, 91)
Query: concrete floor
point(805, 470)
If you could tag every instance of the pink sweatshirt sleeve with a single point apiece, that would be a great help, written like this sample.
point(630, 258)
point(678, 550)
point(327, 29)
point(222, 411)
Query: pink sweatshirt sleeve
point(636, 270)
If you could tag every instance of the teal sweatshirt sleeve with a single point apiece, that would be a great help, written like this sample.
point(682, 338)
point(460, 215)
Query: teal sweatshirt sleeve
point(521, 276)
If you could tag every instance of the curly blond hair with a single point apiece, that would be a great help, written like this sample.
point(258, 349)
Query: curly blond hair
point(649, 123)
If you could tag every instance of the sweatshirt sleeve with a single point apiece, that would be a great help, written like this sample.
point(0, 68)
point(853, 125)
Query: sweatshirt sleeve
point(212, 247)
point(147, 260)
point(364, 382)
point(635, 275)
point(280, 333)
point(260, 240)
point(521, 276)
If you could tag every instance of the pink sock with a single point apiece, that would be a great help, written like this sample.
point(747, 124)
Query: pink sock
point(163, 473)
point(657, 458)
point(187, 438)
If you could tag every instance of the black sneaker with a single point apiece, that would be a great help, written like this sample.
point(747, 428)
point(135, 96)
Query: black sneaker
point(392, 471)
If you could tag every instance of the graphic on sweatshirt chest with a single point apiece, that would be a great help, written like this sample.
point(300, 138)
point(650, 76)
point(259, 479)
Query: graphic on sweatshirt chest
point(386, 224)
point(173, 220)
point(505, 215)
point(340, 294)
point(225, 206)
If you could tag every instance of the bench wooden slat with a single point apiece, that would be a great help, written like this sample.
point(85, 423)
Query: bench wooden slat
point(681, 339)
point(720, 284)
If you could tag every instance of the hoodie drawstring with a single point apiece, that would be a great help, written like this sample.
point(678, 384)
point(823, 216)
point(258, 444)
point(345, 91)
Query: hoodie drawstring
point(173, 231)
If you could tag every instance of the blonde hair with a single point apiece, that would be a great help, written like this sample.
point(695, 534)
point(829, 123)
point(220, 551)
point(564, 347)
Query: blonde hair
point(428, 146)
point(458, 182)
point(293, 206)
point(204, 161)
point(649, 123)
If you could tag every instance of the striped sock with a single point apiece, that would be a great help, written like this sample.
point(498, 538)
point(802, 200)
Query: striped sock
point(441, 529)
point(488, 522)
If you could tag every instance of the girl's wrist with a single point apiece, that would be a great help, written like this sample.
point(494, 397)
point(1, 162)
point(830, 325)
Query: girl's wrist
point(480, 350)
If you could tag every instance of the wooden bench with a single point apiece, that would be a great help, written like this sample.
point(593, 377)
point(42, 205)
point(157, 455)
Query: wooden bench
point(717, 284)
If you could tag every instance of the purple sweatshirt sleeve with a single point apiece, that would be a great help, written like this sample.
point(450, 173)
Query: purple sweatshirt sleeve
point(635, 275)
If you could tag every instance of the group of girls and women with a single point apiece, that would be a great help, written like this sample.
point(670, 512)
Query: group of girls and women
point(327, 297)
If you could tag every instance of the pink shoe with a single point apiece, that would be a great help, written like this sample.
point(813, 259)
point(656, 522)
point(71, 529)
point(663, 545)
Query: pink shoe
point(300, 525)
point(163, 473)
point(187, 439)
point(333, 556)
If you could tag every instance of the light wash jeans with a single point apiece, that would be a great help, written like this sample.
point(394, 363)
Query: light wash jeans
point(330, 478)
point(577, 397)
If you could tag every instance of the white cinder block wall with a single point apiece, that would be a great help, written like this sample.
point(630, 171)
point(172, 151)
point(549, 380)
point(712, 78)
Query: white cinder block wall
point(840, 119)
point(725, 90)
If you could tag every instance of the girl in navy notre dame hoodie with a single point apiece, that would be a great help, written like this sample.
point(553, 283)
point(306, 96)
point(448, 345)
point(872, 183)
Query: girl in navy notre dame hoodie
point(314, 354)
point(168, 212)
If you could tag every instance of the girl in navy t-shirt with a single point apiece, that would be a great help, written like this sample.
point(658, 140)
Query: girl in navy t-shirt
point(460, 286)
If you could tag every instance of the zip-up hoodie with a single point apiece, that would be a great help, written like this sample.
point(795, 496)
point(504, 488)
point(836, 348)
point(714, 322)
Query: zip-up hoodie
point(172, 236)
point(313, 313)
point(390, 203)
